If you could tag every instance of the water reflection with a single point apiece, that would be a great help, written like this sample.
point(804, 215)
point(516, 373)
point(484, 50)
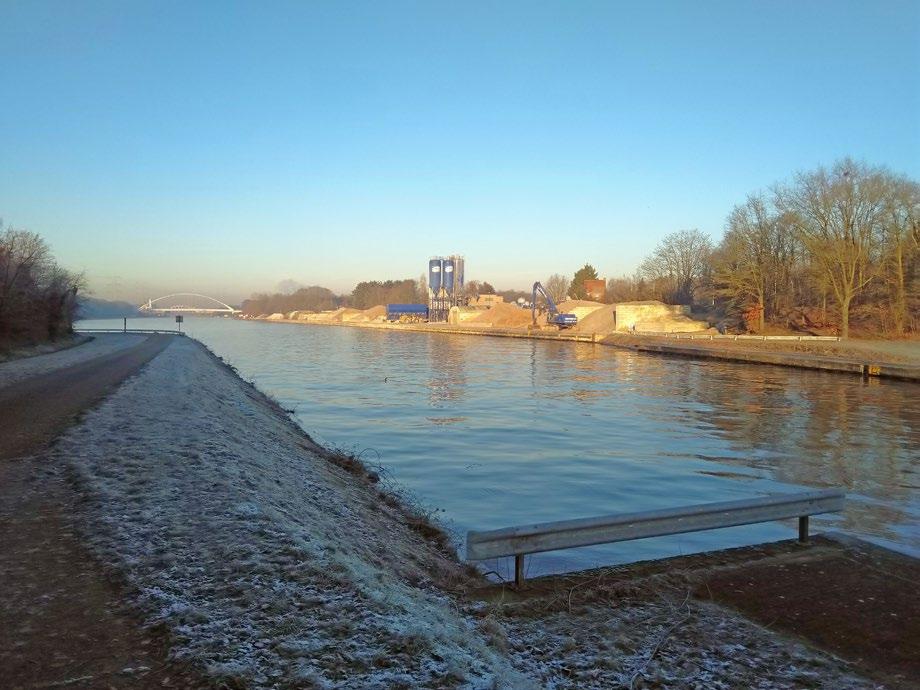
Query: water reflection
point(446, 374)
point(500, 432)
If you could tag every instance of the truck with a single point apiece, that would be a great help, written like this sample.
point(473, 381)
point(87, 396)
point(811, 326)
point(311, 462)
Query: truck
point(553, 317)
point(407, 313)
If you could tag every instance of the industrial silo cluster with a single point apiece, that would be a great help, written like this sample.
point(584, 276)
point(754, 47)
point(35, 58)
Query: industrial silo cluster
point(445, 285)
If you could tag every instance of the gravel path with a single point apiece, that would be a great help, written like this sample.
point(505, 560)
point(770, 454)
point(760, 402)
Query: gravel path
point(38, 406)
point(63, 622)
point(99, 346)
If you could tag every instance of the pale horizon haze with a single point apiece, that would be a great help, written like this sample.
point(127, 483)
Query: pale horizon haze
point(224, 147)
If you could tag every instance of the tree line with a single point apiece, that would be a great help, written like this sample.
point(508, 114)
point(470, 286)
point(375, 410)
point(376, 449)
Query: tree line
point(366, 294)
point(38, 298)
point(814, 252)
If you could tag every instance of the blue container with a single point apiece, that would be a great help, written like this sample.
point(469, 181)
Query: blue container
point(395, 312)
point(434, 276)
point(448, 279)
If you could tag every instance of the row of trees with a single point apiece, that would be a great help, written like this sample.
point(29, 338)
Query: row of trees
point(366, 294)
point(846, 237)
point(371, 293)
point(315, 298)
point(310, 298)
point(38, 298)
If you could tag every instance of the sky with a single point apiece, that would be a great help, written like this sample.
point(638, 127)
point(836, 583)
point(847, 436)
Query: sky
point(223, 147)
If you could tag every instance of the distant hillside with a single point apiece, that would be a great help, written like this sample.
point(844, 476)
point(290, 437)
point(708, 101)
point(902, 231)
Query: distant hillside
point(95, 308)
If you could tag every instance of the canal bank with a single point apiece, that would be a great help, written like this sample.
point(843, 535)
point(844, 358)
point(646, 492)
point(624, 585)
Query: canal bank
point(273, 563)
point(854, 363)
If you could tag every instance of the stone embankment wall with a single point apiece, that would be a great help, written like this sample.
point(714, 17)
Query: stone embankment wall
point(652, 316)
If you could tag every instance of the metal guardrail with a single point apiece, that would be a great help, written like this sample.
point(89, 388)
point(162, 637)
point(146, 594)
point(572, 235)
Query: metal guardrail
point(128, 330)
point(719, 336)
point(567, 534)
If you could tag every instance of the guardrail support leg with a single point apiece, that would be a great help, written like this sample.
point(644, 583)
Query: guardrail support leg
point(519, 570)
point(803, 528)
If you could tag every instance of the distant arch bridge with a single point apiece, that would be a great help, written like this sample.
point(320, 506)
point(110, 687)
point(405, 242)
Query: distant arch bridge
point(178, 303)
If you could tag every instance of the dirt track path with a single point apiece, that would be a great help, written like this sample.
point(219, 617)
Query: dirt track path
point(35, 410)
point(62, 618)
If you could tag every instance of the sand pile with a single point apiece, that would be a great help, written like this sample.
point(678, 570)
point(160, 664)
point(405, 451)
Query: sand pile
point(373, 314)
point(349, 314)
point(580, 307)
point(598, 321)
point(502, 315)
point(319, 317)
point(341, 314)
point(298, 315)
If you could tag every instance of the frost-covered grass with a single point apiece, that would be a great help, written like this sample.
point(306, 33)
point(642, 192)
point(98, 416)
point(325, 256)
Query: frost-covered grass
point(46, 358)
point(276, 564)
point(272, 566)
point(660, 642)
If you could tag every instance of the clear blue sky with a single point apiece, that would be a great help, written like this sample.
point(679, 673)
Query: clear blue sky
point(222, 147)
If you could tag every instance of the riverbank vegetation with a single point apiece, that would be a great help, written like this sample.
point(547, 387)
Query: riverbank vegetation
point(38, 298)
point(831, 248)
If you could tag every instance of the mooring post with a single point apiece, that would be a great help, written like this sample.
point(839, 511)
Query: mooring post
point(519, 570)
point(803, 528)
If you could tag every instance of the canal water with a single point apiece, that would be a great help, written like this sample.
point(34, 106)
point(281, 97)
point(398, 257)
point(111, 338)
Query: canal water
point(495, 432)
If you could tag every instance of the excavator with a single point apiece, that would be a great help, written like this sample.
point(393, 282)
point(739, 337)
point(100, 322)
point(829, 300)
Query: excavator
point(553, 317)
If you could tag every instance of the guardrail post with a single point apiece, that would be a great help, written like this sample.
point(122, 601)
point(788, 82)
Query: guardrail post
point(519, 570)
point(803, 528)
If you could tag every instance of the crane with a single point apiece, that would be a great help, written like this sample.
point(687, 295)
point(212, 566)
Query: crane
point(553, 316)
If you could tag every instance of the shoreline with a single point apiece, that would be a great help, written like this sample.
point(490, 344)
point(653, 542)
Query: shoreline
point(269, 561)
point(659, 345)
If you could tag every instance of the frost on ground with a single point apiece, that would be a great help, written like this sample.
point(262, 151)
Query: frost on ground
point(658, 642)
point(44, 362)
point(274, 567)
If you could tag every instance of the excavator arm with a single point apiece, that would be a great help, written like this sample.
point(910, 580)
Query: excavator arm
point(553, 316)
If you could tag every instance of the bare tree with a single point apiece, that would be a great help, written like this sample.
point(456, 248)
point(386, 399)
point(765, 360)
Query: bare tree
point(678, 264)
point(753, 264)
point(558, 286)
point(901, 250)
point(37, 297)
point(839, 215)
point(422, 286)
point(24, 260)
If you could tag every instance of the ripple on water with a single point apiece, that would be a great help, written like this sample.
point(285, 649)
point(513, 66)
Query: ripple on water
point(500, 432)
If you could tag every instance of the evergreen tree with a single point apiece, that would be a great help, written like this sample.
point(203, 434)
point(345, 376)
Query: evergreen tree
point(577, 288)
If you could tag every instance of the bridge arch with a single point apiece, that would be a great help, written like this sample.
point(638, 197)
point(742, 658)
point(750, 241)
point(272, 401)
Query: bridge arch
point(150, 305)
